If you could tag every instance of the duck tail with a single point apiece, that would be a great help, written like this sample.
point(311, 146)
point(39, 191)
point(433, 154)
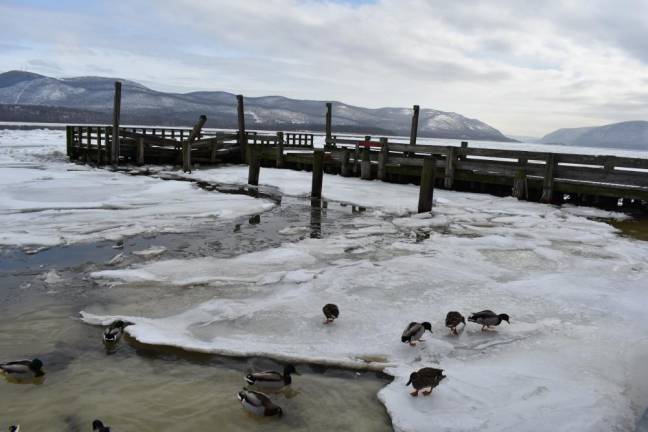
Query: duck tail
point(249, 379)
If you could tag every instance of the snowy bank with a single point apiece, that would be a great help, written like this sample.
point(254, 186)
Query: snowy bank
point(573, 358)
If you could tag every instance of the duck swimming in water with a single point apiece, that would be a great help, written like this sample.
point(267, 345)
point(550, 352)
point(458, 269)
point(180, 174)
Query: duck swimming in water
point(414, 332)
point(488, 318)
point(453, 319)
point(98, 426)
point(23, 370)
point(14, 428)
point(331, 312)
point(425, 379)
point(114, 332)
point(272, 380)
point(259, 403)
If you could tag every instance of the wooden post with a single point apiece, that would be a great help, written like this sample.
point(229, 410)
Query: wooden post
point(382, 158)
point(114, 151)
point(426, 192)
point(280, 150)
point(140, 151)
point(345, 168)
point(450, 167)
point(520, 188)
point(68, 141)
point(365, 165)
point(464, 145)
point(318, 173)
point(414, 130)
point(186, 145)
point(99, 150)
point(254, 165)
point(86, 153)
point(241, 127)
point(356, 157)
point(547, 184)
point(329, 126)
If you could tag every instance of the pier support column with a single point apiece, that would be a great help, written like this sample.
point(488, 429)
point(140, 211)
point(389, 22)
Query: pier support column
point(426, 192)
point(382, 159)
point(254, 165)
point(365, 165)
point(241, 128)
point(114, 149)
point(329, 127)
point(318, 174)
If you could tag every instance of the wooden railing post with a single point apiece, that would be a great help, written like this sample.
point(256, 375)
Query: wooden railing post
point(520, 188)
point(365, 165)
point(99, 150)
point(68, 141)
point(451, 157)
point(86, 153)
point(114, 151)
point(414, 129)
point(254, 165)
point(241, 127)
point(382, 158)
point(328, 143)
point(345, 167)
point(280, 150)
point(547, 184)
point(464, 145)
point(140, 151)
point(426, 192)
point(318, 173)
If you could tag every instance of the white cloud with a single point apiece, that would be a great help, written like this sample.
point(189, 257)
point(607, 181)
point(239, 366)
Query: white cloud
point(524, 67)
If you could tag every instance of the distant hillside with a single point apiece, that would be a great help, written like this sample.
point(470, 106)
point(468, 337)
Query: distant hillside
point(630, 135)
point(76, 99)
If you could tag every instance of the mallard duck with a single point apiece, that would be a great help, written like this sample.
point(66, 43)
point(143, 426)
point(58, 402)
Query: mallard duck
point(414, 332)
point(113, 333)
point(425, 379)
point(259, 403)
point(453, 319)
point(488, 318)
point(23, 370)
point(331, 312)
point(14, 428)
point(271, 379)
point(98, 426)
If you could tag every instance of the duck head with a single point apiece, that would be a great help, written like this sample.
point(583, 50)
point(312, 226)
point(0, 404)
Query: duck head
point(36, 365)
point(290, 369)
point(504, 317)
point(97, 425)
point(427, 326)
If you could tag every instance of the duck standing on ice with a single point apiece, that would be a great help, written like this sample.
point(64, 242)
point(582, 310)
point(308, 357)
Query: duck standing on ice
point(425, 379)
point(414, 332)
point(488, 318)
point(331, 312)
point(453, 319)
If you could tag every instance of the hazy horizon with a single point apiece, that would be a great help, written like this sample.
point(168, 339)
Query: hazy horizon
point(526, 69)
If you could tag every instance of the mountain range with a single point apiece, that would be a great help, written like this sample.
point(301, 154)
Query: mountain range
point(30, 97)
point(629, 135)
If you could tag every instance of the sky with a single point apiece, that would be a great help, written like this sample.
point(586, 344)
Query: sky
point(526, 67)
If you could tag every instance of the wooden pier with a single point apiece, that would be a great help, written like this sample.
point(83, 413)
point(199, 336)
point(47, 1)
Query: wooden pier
point(605, 181)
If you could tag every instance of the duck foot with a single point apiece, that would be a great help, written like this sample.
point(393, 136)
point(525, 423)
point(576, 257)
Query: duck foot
point(414, 393)
point(427, 392)
point(412, 344)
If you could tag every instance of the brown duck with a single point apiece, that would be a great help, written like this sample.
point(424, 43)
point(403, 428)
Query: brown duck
point(453, 319)
point(331, 312)
point(425, 380)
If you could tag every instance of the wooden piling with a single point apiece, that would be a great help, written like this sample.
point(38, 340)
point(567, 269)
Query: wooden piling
point(464, 145)
point(414, 129)
point(382, 159)
point(426, 192)
point(86, 153)
point(451, 157)
point(345, 166)
point(99, 149)
point(68, 141)
point(329, 125)
point(114, 150)
point(140, 151)
point(318, 174)
point(548, 181)
point(241, 127)
point(280, 150)
point(186, 145)
point(520, 186)
point(365, 165)
point(254, 165)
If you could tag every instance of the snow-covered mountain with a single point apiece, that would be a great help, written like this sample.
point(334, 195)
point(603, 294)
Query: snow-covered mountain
point(631, 135)
point(141, 104)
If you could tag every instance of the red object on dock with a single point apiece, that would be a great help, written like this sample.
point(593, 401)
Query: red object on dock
point(369, 144)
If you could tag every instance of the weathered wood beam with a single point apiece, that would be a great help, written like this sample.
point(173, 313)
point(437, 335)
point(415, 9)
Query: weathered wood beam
point(114, 150)
point(547, 184)
point(329, 125)
point(280, 150)
point(382, 158)
point(318, 174)
point(186, 145)
point(254, 164)
point(451, 158)
point(426, 191)
point(414, 129)
point(242, 136)
point(365, 165)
